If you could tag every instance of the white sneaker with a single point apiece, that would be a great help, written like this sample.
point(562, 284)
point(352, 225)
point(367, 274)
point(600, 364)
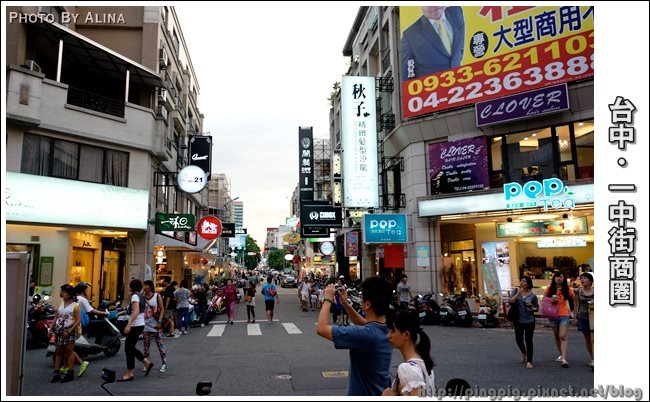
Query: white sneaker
point(202, 325)
point(163, 368)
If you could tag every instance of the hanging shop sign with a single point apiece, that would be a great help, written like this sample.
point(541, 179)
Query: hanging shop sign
point(327, 248)
point(537, 102)
point(292, 237)
point(175, 222)
point(458, 166)
point(385, 228)
point(351, 245)
point(192, 179)
point(200, 148)
point(227, 230)
point(314, 231)
point(359, 137)
point(209, 227)
point(321, 215)
point(306, 163)
point(548, 228)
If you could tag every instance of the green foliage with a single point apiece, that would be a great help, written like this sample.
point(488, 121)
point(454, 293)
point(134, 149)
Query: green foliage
point(276, 259)
point(251, 261)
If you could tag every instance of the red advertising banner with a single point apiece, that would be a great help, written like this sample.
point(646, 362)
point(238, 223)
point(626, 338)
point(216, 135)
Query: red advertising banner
point(495, 52)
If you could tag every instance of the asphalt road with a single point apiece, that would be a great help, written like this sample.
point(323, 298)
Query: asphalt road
point(288, 358)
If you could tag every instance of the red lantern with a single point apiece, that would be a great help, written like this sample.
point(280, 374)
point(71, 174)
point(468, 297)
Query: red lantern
point(204, 261)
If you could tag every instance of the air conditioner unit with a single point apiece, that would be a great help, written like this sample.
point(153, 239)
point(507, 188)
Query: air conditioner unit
point(31, 65)
point(161, 112)
point(163, 60)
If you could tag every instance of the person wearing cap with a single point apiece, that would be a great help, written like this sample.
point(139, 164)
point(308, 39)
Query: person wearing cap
point(95, 327)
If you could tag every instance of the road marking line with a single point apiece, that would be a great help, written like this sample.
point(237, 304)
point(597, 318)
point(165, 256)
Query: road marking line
point(291, 328)
point(254, 329)
point(217, 330)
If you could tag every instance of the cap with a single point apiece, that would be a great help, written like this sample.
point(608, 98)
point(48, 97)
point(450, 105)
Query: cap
point(342, 277)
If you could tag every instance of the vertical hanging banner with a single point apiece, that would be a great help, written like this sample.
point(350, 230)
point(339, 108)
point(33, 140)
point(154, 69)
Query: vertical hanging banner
point(359, 119)
point(200, 152)
point(306, 163)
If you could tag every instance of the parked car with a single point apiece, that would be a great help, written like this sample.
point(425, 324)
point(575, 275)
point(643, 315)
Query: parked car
point(289, 282)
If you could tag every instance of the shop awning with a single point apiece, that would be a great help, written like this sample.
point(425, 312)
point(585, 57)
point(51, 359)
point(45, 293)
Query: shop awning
point(84, 51)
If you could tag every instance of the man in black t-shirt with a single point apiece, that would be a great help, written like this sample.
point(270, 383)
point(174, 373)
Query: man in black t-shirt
point(170, 306)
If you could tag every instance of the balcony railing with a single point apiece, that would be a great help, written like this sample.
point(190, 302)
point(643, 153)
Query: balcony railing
point(98, 103)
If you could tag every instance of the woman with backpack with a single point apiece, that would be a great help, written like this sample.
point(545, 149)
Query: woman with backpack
point(133, 329)
point(270, 293)
point(153, 313)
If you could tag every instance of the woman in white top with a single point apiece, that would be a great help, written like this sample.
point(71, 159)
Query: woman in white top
point(415, 375)
point(133, 330)
point(65, 327)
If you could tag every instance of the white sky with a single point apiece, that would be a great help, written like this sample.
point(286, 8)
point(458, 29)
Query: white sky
point(264, 70)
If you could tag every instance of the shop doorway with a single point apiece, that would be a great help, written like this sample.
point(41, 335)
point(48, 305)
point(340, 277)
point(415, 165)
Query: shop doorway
point(111, 276)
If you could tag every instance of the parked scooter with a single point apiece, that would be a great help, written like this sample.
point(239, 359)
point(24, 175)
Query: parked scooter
point(454, 310)
point(39, 319)
point(487, 313)
point(110, 340)
point(427, 309)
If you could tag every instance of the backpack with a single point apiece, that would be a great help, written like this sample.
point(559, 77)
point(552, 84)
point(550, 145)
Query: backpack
point(142, 306)
point(271, 291)
point(85, 320)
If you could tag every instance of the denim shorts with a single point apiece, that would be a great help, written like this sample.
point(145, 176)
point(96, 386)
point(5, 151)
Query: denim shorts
point(558, 322)
point(583, 325)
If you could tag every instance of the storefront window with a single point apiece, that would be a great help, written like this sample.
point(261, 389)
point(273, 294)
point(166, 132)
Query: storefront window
point(565, 151)
point(530, 155)
point(584, 137)
point(81, 269)
point(496, 176)
point(564, 143)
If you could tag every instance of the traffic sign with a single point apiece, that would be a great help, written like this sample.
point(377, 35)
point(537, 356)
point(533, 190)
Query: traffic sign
point(209, 227)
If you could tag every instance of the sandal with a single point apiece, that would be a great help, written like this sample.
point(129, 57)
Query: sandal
point(565, 364)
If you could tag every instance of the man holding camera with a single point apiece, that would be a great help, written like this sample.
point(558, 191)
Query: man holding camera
point(367, 340)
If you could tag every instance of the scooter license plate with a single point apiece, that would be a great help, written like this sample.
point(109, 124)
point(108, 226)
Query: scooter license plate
point(462, 312)
point(443, 313)
point(422, 313)
point(482, 316)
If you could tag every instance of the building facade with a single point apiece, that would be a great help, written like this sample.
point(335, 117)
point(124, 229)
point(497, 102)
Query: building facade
point(446, 166)
point(99, 112)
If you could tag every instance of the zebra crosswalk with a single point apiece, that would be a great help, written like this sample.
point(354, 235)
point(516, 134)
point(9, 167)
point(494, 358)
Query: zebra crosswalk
point(252, 329)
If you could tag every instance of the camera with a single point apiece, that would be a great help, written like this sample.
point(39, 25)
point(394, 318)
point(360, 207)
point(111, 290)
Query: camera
point(337, 288)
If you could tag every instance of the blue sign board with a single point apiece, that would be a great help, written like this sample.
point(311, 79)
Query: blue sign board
point(526, 104)
point(385, 228)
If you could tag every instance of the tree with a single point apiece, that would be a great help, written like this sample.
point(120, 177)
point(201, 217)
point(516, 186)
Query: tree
point(276, 259)
point(251, 261)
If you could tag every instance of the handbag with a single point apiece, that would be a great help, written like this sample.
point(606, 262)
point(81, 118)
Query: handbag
point(513, 312)
point(248, 298)
point(549, 309)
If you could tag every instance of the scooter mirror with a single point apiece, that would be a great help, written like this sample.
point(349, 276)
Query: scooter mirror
point(203, 388)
